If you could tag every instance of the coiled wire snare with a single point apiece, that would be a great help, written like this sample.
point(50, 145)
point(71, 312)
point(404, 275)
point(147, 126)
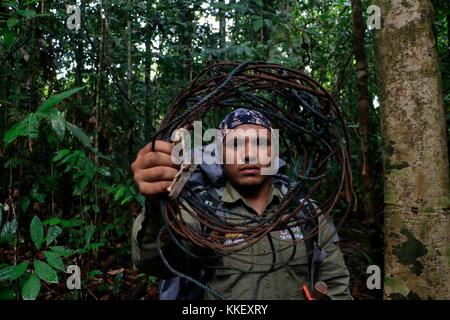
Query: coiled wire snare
point(316, 146)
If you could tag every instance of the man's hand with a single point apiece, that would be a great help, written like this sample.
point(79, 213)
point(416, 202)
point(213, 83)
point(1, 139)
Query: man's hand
point(153, 170)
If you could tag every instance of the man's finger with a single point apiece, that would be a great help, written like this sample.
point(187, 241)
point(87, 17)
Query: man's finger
point(155, 159)
point(144, 150)
point(154, 188)
point(158, 173)
point(160, 146)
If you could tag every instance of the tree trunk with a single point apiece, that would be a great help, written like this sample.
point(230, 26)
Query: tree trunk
point(130, 135)
point(149, 103)
point(364, 106)
point(416, 189)
point(235, 31)
point(222, 29)
point(97, 102)
point(189, 19)
point(265, 32)
point(448, 34)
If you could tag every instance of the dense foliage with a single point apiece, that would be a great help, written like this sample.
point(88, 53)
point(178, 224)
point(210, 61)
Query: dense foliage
point(77, 104)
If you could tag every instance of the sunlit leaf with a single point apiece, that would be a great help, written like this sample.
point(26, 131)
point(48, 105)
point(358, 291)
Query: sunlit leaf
point(53, 233)
point(13, 272)
point(54, 260)
point(46, 106)
point(31, 288)
point(78, 134)
point(45, 271)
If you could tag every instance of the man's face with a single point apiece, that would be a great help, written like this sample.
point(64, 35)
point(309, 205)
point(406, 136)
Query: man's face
point(247, 149)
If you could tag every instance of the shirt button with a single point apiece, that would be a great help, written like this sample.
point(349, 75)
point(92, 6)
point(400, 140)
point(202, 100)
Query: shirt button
point(267, 284)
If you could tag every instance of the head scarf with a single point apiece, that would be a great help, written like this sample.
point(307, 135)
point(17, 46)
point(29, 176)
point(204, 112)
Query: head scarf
point(242, 116)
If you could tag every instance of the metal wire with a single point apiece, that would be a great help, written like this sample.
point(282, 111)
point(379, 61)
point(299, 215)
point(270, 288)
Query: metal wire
point(314, 133)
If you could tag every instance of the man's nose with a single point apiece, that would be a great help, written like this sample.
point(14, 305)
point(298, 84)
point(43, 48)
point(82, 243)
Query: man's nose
point(251, 152)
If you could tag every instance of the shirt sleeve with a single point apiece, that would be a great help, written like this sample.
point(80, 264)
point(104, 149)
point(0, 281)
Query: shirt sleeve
point(333, 270)
point(145, 252)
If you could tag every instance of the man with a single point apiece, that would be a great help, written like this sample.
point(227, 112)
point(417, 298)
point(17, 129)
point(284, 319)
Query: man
point(246, 191)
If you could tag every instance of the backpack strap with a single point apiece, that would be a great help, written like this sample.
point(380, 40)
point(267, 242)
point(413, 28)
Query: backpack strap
point(316, 255)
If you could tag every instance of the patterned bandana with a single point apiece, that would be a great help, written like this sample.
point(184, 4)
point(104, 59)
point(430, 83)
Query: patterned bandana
point(243, 116)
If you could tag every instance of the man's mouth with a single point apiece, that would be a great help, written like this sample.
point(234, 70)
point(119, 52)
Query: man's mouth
point(250, 169)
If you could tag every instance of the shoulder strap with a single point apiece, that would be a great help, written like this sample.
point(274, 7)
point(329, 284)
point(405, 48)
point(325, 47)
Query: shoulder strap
point(316, 255)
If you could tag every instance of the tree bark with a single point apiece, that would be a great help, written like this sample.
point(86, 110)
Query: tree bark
point(448, 34)
point(364, 106)
point(186, 36)
point(148, 108)
point(265, 32)
point(222, 26)
point(416, 170)
point(235, 30)
point(130, 135)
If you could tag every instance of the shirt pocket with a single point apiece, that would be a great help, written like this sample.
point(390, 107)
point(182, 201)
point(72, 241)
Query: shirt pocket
point(232, 278)
point(296, 272)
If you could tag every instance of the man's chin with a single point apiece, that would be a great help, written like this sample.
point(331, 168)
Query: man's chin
point(250, 181)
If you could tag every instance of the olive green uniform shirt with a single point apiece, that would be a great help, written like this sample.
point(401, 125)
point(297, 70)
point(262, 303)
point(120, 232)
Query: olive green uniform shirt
point(285, 283)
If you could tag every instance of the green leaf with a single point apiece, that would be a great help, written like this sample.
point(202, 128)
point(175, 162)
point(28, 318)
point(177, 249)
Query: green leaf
point(104, 171)
point(52, 221)
point(74, 222)
point(53, 233)
point(95, 245)
point(9, 4)
point(12, 22)
point(27, 3)
point(9, 38)
point(95, 208)
point(8, 231)
point(25, 203)
point(32, 126)
point(95, 272)
point(61, 154)
point(258, 24)
point(247, 50)
point(126, 200)
point(84, 183)
point(18, 129)
point(45, 272)
point(119, 193)
point(62, 251)
point(26, 13)
point(90, 229)
point(36, 232)
point(58, 125)
point(46, 106)
point(268, 23)
point(13, 272)
point(31, 288)
point(78, 134)
point(54, 260)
